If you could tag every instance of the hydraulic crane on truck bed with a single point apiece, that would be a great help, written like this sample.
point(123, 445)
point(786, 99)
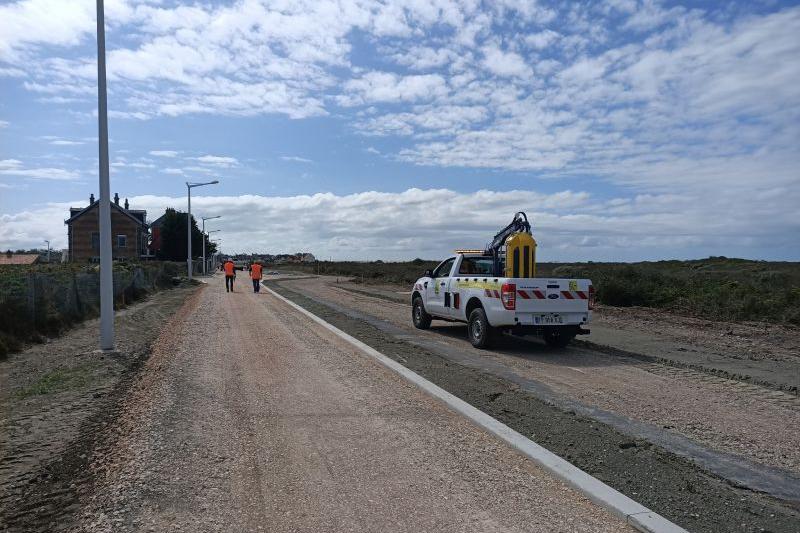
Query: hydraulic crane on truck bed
point(513, 249)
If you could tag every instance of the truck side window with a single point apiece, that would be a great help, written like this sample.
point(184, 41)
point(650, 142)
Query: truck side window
point(443, 270)
point(481, 266)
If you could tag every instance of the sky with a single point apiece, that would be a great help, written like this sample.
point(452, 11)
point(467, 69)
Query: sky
point(359, 129)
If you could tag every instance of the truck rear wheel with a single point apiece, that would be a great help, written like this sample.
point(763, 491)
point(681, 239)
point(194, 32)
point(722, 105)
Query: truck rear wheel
point(557, 338)
point(479, 330)
point(420, 317)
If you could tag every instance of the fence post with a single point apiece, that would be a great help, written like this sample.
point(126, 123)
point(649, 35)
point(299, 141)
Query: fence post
point(32, 297)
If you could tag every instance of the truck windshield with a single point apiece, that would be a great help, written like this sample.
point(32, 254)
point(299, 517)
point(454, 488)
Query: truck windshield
point(481, 266)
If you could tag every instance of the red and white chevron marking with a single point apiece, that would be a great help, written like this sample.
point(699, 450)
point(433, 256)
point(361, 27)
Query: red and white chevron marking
point(536, 294)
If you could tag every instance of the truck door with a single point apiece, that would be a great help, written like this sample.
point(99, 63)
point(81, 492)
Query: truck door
point(437, 289)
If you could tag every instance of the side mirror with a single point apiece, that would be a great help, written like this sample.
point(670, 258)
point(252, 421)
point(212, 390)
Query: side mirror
point(428, 274)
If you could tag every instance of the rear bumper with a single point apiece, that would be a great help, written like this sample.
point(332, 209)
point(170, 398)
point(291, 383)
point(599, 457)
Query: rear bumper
point(571, 329)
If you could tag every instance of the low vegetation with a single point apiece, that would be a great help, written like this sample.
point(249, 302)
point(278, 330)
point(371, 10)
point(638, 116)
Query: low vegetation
point(716, 288)
point(58, 380)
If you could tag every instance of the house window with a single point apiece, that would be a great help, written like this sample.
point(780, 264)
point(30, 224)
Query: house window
point(95, 241)
point(122, 241)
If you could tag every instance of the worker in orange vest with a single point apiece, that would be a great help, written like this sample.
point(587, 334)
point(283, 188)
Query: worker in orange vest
point(255, 275)
point(230, 274)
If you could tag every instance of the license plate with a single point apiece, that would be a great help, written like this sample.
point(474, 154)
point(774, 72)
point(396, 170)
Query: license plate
point(548, 319)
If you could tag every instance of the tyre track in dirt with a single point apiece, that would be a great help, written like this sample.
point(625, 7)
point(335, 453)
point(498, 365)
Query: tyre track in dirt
point(669, 484)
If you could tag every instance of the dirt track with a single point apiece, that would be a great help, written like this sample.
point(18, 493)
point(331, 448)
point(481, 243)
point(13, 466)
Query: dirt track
point(713, 419)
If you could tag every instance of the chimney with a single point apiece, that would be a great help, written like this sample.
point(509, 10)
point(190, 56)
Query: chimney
point(116, 198)
point(127, 205)
point(91, 199)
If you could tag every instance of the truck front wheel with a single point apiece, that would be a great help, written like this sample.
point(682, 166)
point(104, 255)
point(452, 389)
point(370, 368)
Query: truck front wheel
point(420, 317)
point(479, 330)
point(557, 338)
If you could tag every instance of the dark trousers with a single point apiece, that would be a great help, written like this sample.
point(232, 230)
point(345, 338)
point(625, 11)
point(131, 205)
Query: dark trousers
point(256, 285)
point(229, 283)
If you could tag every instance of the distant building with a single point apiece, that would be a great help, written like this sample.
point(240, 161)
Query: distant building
point(129, 232)
point(155, 234)
point(10, 258)
point(304, 257)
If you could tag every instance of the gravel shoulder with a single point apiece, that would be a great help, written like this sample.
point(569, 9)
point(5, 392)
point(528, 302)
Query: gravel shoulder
point(250, 417)
point(689, 403)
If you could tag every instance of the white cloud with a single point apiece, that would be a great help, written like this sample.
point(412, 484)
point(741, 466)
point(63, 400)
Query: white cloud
point(542, 39)
point(65, 142)
point(174, 171)
point(164, 153)
point(29, 22)
point(389, 87)
point(14, 167)
point(296, 159)
point(203, 170)
point(4, 123)
point(505, 63)
point(569, 225)
point(217, 161)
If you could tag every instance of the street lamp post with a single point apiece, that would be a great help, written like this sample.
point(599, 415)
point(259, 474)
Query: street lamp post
point(204, 239)
point(106, 265)
point(48, 250)
point(189, 187)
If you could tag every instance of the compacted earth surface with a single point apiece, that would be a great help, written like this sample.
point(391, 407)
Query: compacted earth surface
point(56, 401)
point(242, 414)
point(661, 416)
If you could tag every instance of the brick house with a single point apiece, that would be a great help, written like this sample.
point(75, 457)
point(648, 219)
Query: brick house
point(129, 232)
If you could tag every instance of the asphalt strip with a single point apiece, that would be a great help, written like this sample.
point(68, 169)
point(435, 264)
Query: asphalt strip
point(617, 503)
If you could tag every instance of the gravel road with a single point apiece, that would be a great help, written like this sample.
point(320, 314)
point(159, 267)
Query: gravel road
point(725, 415)
point(604, 412)
point(250, 417)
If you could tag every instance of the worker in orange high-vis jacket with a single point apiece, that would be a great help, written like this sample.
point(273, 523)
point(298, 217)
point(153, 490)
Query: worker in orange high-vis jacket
point(255, 275)
point(230, 274)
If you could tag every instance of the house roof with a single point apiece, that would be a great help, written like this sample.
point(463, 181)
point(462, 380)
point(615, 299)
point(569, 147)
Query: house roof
point(18, 259)
point(77, 212)
point(157, 222)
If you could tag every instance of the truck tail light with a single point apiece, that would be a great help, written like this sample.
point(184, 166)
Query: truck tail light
point(591, 297)
point(508, 295)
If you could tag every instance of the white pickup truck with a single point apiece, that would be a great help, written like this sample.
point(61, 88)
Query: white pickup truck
point(463, 288)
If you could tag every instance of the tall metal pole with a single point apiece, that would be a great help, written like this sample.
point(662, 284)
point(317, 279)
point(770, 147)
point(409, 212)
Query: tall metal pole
point(189, 222)
point(48, 250)
point(189, 232)
point(106, 266)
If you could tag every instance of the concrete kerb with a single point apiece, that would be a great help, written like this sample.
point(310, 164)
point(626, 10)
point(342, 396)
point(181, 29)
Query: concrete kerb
point(617, 503)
